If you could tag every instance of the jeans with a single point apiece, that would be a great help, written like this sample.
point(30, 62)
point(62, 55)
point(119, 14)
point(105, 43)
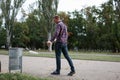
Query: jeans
point(61, 47)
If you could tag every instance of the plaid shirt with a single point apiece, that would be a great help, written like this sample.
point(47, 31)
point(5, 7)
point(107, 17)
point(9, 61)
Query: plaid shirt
point(60, 34)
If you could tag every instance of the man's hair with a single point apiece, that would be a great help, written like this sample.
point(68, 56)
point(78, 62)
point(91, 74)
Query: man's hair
point(57, 17)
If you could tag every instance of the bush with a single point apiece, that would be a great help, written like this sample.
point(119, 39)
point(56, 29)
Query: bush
point(18, 76)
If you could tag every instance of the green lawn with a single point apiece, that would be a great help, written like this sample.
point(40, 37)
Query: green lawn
point(18, 76)
point(97, 56)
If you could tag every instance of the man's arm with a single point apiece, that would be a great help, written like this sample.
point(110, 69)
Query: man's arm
point(56, 34)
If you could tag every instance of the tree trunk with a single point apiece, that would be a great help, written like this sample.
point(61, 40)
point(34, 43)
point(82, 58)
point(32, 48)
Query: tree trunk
point(8, 44)
point(49, 38)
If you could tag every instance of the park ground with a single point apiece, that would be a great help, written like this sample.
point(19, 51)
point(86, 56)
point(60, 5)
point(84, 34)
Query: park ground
point(85, 69)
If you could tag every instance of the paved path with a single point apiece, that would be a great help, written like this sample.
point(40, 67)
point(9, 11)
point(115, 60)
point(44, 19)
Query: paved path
point(85, 70)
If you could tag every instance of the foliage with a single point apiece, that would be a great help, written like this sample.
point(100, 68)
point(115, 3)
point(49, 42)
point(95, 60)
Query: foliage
point(109, 27)
point(101, 28)
point(76, 29)
point(91, 28)
point(20, 35)
point(36, 32)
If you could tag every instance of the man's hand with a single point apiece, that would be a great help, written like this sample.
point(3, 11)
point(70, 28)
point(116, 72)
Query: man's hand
point(49, 43)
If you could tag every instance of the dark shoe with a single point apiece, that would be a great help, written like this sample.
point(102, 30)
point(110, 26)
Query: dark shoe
point(71, 73)
point(55, 73)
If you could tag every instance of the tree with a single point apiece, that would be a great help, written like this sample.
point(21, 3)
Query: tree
point(92, 29)
point(10, 10)
point(20, 35)
point(36, 33)
point(109, 21)
point(101, 27)
point(76, 30)
point(47, 9)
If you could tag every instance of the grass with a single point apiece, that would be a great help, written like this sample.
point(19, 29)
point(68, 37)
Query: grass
point(18, 76)
point(96, 56)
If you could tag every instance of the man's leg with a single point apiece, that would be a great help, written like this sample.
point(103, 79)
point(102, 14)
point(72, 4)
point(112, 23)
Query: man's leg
point(58, 58)
point(65, 53)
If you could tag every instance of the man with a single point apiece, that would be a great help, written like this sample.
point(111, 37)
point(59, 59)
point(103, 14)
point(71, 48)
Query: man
point(61, 37)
